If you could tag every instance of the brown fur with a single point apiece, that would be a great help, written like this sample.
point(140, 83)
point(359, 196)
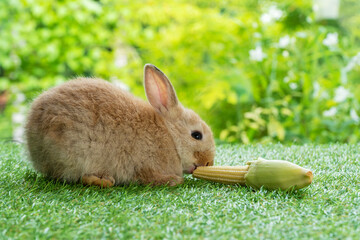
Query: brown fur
point(89, 128)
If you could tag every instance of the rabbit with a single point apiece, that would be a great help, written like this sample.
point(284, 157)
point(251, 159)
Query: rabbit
point(87, 130)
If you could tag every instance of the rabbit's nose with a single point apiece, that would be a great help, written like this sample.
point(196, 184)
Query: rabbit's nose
point(204, 159)
point(210, 163)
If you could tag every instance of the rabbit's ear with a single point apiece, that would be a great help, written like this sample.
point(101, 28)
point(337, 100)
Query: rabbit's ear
point(159, 91)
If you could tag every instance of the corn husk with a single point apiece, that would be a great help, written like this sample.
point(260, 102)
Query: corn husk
point(277, 174)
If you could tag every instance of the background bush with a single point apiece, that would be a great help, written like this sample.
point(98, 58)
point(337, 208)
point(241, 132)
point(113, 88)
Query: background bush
point(254, 70)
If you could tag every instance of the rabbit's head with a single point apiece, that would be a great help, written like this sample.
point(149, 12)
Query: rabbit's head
point(192, 137)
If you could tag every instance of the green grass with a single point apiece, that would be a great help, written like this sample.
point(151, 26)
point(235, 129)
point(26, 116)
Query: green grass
point(34, 207)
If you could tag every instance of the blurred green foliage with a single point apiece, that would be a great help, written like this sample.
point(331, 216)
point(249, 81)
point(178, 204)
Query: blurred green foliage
point(254, 70)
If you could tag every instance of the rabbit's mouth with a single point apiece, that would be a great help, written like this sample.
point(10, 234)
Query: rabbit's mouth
point(190, 170)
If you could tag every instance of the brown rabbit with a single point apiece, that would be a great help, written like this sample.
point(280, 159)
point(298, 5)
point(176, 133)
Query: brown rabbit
point(91, 131)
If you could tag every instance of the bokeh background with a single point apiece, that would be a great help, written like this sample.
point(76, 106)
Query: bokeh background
point(256, 71)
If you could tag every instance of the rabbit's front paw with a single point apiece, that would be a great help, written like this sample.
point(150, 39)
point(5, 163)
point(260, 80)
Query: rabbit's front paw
point(101, 181)
point(176, 181)
point(170, 180)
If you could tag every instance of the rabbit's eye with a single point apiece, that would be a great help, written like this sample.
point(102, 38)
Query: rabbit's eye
point(197, 135)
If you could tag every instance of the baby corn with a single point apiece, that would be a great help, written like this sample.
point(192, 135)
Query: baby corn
point(271, 174)
point(226, 174)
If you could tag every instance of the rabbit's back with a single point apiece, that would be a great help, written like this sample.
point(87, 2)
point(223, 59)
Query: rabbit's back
point(88, 125)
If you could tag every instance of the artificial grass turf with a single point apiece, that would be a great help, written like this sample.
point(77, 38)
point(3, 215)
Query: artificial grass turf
point(32, 207)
